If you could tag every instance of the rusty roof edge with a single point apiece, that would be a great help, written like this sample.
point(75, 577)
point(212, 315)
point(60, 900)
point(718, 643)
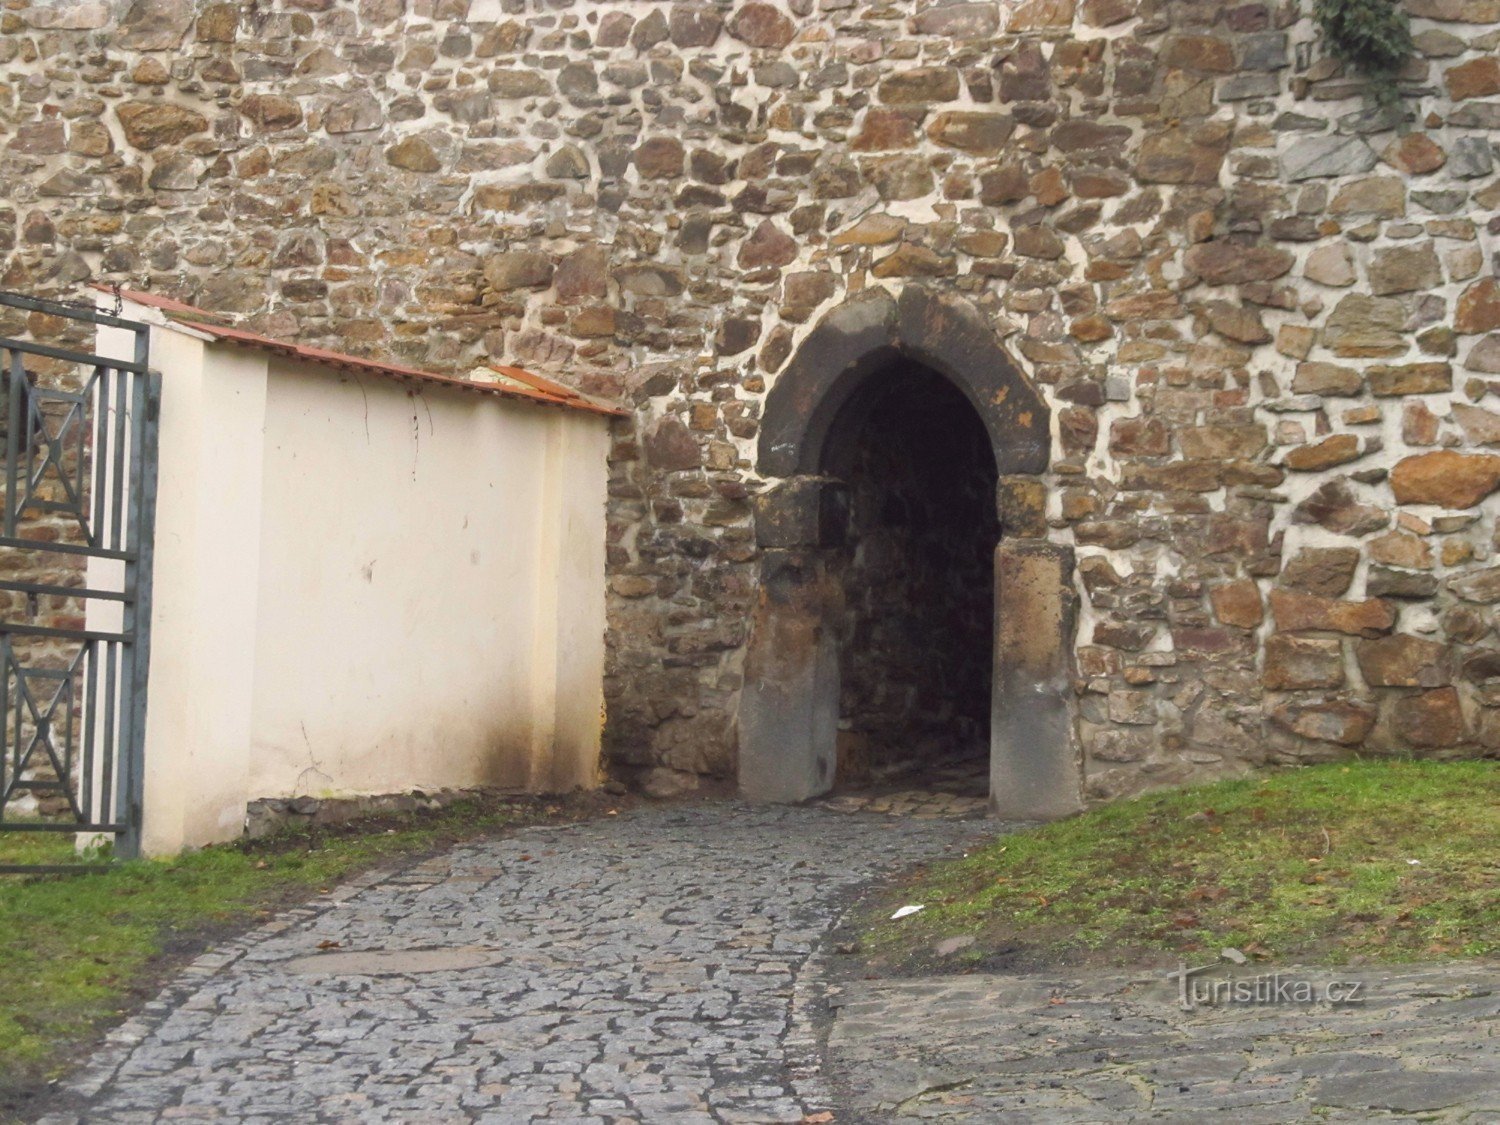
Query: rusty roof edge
point(533, 389)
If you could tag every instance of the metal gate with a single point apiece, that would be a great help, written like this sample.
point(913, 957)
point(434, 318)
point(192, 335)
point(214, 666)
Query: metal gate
point(75, 578)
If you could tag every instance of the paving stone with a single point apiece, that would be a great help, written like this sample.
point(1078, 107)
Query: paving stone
point(639, 968)
point(1092, 1045)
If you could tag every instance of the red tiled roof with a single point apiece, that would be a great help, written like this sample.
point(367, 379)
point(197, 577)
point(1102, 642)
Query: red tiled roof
point(514, 382)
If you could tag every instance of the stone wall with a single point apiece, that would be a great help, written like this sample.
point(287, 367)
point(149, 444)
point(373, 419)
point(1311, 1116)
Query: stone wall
point(1265, 317)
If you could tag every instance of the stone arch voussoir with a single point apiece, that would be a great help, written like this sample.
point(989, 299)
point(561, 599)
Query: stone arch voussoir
point(942, 331)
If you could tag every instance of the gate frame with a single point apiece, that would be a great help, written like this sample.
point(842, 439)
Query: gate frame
point(789, 707)
point(129, 491)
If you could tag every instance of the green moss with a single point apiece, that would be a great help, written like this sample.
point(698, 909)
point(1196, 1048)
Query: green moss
point(1388, 860)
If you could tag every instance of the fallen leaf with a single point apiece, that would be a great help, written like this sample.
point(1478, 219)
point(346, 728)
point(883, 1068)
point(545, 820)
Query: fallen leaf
point(329, 944)
point(821, 1118)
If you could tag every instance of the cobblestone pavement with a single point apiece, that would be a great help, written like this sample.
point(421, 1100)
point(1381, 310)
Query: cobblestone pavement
point(952, 789)
point(1091, 1047)
point(638, 968)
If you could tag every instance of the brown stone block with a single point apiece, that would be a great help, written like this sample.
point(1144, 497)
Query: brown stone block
point(1362, 326)
point(1186, 155)
point(1401, 548)
point(1180, 476)
point(1333, 506)
point(886, 130)
point(271, 113)
point(1006, 184)
point(660, 158)
point(1429, 720)
point(767, 246)
point(1405, 269)
point(957, 21)
point(1216, 443)
point(1403, 661)
point(1387, 582)
point(150, 124)
point(1341, 721)
point(1083, 135)
point(1239, 323)
point(1211, 641)
point(982, 134)
point(1331, 265)
point(1302, 663)
point(1114, 534)
point(920, 86)
point(1124, 636)
point(1479, 307)
point(1389, 381)
point(1155, 304)
point(1238, 604)
point(1090, 329)
point(1021, 502)
point(1478, 78)
point(517, 269)
point(694, 25)
point(1333, 379)
point(1135, 708)
point(911, 260)
point(1298, 612)
point(1381, 196)
point(1039, 15)
point(762, 25)
point(1142, 436)
point(1229, 263)
point(1446, 478)
point(1106, 13)
point(1242, 535)
point(1202, 54)
point(413, 154)
point(802, 512)
point(583, 275)
point(1339, 449)
point(1415, 154)
point(671, 447)
point(1482, 667)
point(1480, 426)
point(1094, 660)
point(1480, 586)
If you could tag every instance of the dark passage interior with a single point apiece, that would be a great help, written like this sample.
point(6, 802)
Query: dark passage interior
point(916, 636)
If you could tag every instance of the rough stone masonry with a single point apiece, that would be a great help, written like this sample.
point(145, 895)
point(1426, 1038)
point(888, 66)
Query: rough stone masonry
point(1262, 310)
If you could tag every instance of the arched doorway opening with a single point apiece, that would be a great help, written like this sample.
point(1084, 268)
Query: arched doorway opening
point(916, 631)
point(859, 433)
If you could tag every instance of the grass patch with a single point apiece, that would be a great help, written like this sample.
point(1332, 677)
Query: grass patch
point(82, 949)
point(1360, 862)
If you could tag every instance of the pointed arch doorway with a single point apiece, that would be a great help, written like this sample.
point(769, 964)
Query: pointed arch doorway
point(908, 596)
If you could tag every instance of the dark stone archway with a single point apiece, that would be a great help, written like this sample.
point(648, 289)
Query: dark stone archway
point(789, 712)
point(944, 333)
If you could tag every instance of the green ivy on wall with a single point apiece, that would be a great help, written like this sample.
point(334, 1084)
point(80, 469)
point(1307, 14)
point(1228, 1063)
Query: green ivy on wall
point(1372, 37)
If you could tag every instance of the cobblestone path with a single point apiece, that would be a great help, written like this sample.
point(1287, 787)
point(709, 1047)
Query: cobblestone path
point(638, 968)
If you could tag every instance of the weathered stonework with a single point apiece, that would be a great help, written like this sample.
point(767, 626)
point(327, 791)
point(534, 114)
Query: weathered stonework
point(1264, 322)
